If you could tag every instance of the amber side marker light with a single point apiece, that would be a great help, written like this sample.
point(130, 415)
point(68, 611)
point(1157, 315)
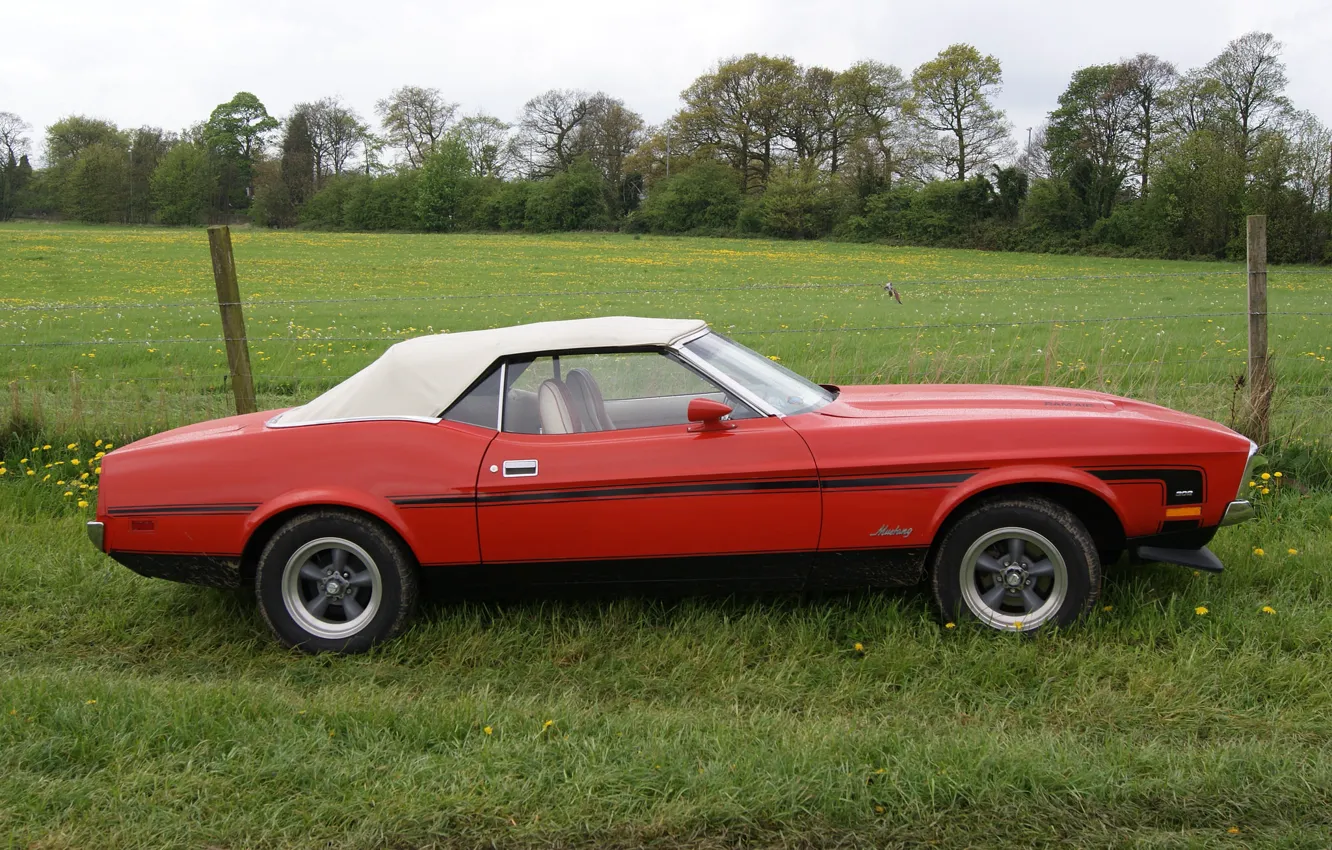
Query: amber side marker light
point(1183, 513)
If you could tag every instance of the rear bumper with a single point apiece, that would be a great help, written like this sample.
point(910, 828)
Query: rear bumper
point(204, 570)
point(97, 534)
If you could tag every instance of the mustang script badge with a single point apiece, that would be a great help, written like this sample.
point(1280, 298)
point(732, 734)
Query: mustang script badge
point(895, 531)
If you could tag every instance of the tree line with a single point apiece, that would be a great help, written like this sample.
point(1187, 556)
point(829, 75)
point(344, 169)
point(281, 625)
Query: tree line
point(1135, 158)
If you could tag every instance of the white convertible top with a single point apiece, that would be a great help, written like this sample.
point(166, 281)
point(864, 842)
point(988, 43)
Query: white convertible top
point(420, 377)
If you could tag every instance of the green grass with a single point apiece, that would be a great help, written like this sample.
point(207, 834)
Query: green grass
point(138, 713)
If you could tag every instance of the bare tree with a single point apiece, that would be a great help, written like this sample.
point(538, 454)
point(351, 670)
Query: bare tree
point(881, 125)
point(414, 119)
point(1252, 79)
point(549, 130)
point(13, 137)
point(1035, 157)
point(1196, 103)
point(611, 132)
point(1150, 81)
point(336, 131)
point(954, 93)
point(487, 141)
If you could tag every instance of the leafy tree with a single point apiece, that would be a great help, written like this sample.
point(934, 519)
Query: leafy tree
point(236, 133)
point(611, 133)
point(335, 132)
point(704, 197)
point(954, 94)
point(802, 205)
point(443, 187)
point(1197, 196)
point(740, 111)
point(414, 120)
point(183, 185)
point(70, 136)
point(883, 137)
point(96, 186)
point(571, 200)
point(1252, 81)
point(1151, 81)
point(1090, 136)
point(297, 168)
point(147, 147)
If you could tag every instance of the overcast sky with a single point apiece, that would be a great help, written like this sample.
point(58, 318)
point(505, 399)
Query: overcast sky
point(169, 63)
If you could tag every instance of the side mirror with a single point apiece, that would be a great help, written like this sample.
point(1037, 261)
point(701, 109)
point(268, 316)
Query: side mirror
point(709, 414)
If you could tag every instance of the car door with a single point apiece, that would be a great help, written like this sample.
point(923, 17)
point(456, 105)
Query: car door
point(622, 474)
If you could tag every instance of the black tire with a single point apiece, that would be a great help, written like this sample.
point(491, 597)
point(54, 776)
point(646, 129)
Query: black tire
point(1031, 589)
point(372, 604)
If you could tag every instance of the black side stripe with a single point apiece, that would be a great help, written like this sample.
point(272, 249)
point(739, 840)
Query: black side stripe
point(430, 501)
point(162, 510)
point(900, 480)
point(652, 490)
point(1182, 486)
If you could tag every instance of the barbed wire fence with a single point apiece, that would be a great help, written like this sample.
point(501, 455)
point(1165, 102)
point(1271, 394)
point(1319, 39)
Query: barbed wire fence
point(1218, 384)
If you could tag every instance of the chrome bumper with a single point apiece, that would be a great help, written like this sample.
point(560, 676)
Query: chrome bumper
point(1237, 512)
point(97, 534)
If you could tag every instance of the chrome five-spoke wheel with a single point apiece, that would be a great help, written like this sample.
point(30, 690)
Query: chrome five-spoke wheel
point(1013, 578)
point(1017, 564)
point(331, 587)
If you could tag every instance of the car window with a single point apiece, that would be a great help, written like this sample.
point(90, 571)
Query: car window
point(480, 404)
point(605, 391)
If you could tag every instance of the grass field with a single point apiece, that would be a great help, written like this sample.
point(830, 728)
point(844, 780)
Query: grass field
point(1192, 711)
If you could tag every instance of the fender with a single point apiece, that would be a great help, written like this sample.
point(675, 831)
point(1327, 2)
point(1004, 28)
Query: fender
point(1005, 476)
point(377, 506)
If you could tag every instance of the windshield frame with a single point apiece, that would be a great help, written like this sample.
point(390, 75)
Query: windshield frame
point(822, 395)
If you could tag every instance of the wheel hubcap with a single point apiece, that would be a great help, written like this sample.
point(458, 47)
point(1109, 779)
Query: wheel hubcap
point(331, 587)
point(1013, 579)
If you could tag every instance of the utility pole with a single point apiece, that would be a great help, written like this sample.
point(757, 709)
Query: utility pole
point(668, 150)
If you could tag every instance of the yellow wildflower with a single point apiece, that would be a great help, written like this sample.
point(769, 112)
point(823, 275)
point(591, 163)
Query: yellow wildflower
point(1268, 609)
point(1253, 483)
point(488, 730)
point(1276, 474)
point(32, 472)
point(45, 447)
point(90, 702)
point(72, 446)
point(108, 447)
point(1265, 491)
point(1266, 476)
point(1259, 552)
point(69, 492)
point(1234, 830)
point(98, 443)
point(98, 470)
point(1108, 608)
point(1200, 610)
point(950, 625)
point(1017, 624)
point(83, 503)
point(75, 461)
point(860, 647)
point(1292, 552)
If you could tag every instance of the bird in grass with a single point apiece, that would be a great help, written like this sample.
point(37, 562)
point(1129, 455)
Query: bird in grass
point(888, 288)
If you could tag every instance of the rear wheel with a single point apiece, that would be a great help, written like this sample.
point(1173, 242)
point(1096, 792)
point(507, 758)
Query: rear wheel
point(335, 581)
point(1017, 565)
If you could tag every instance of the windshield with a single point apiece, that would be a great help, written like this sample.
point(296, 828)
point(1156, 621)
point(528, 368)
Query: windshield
point(783, 389)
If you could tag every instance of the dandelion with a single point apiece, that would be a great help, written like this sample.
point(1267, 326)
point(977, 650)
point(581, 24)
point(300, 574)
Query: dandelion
point(1017, 624)
point(46, 447)
point(97, 471)
point(1266, 476)
point(97, 443)
point(1292, 551)
point(1276, 474)
point(72, 446)
point(3, 471)
point(1265, 491)
point(860, 647)
point(69, 493)
point(83, 503)
point(75, 461)
point(1107, 609)
point(488, 730)
point(1253, 483)
point(108, 447)
point(90, 702)
point(1200, 610)
point(32, 472)
point(950, 625)
point(1268, 609)
point(1234, 830)
point(548, 724)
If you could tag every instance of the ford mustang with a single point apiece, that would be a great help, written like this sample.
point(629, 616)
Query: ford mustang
point(620, 450)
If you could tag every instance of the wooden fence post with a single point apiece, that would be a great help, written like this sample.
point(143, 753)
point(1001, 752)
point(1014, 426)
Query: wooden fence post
point(1260, 378)
point(233, 319)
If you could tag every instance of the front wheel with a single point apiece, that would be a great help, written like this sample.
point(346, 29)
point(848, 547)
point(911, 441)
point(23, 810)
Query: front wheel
point(1017, 565)
point(335, 581)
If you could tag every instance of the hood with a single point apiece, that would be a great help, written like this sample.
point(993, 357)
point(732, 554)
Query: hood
point(989, 401)
point(211, 429)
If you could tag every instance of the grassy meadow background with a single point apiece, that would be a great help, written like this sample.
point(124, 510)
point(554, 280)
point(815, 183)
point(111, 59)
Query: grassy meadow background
point(1190, 711)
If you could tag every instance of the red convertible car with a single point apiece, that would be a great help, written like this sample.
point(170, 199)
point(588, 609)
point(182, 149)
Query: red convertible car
point(645, 450)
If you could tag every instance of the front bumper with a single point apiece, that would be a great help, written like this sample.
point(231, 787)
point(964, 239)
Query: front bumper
point(1238, 511)
point(97, 534)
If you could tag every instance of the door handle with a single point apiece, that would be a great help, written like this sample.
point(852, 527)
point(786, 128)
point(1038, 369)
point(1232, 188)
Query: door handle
point(520, 468)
